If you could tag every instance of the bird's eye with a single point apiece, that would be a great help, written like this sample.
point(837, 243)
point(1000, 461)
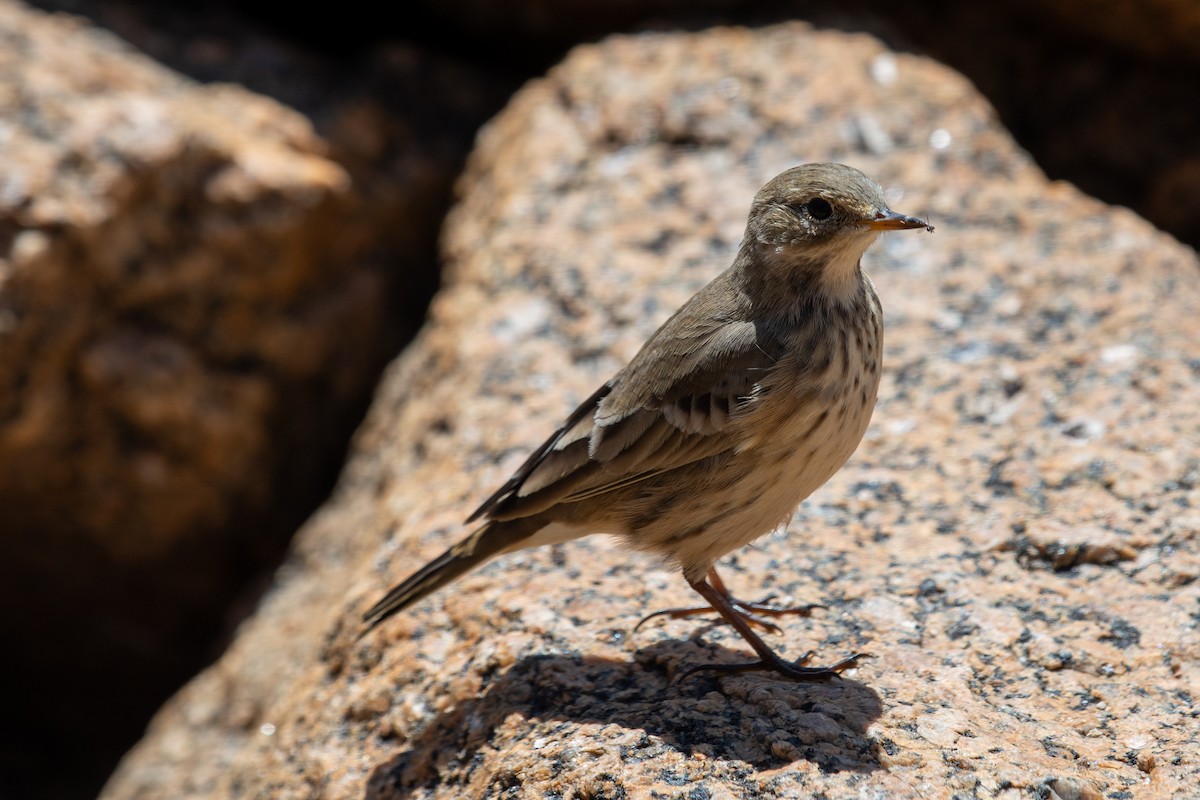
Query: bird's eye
point(819, 208)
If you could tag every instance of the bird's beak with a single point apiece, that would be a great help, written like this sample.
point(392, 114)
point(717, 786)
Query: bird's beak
point(891, 221)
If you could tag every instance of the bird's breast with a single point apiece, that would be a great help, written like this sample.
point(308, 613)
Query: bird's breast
point(816, 404)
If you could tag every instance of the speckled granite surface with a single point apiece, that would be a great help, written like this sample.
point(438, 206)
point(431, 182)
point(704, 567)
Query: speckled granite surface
point(198, 289)
point(1017, 542)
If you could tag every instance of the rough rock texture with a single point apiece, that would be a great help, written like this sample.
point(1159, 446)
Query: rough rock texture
point(1101, 93)
point(397, 117)
point(1118, 123)
point(1017, 542)
point(198, 288)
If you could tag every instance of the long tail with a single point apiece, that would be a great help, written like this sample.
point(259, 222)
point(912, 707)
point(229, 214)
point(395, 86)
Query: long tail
point(483, 543)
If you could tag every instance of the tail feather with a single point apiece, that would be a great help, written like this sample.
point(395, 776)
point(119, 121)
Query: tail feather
point(483, 543)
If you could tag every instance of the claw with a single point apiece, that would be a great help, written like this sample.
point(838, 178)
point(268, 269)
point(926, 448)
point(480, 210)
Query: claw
point(747, 610)
point(796, 670)
point(752, 612)
point(740, 616)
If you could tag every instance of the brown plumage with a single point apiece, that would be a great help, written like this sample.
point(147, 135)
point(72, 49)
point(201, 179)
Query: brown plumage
point(749, 398)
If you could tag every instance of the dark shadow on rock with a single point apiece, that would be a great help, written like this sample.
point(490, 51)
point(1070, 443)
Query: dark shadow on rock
point(755, 719)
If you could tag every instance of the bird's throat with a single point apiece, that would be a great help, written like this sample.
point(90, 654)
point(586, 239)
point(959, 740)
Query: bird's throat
point(832, 269)
point(841, 275)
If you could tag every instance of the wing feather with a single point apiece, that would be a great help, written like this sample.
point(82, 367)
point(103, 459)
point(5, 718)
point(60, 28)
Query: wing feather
point(677, 402)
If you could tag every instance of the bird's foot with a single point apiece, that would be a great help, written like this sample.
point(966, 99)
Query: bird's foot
point(752, 612)
point(795, 670)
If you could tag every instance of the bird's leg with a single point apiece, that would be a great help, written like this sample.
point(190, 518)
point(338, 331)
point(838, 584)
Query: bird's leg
point(768, 659)
point(763, 607)
point(753, 612)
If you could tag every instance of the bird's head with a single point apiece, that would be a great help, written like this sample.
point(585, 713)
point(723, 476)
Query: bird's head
point(815, 203)
point(821, 218)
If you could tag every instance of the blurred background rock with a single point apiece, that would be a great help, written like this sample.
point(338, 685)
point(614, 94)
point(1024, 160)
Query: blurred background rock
point(218, 223)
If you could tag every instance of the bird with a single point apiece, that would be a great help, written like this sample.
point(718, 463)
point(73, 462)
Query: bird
point(742, 404)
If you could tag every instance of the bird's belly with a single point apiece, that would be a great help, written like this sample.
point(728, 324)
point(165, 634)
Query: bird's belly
point(756, 489)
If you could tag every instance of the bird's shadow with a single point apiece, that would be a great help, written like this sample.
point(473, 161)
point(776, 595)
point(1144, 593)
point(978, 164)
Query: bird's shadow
point(755, 719)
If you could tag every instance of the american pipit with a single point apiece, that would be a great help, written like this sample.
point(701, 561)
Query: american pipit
point(742, 404)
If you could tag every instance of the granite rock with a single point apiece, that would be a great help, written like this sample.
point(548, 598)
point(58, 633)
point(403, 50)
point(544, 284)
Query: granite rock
point(1017, 541)
point(1116, 121)
point(1099, 92)
point(198, 289)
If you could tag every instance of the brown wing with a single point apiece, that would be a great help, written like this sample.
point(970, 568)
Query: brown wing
point(671, 406)
point(538, 457)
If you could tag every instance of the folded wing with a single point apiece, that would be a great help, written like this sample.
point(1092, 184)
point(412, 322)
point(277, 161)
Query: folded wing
point(677, 402)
